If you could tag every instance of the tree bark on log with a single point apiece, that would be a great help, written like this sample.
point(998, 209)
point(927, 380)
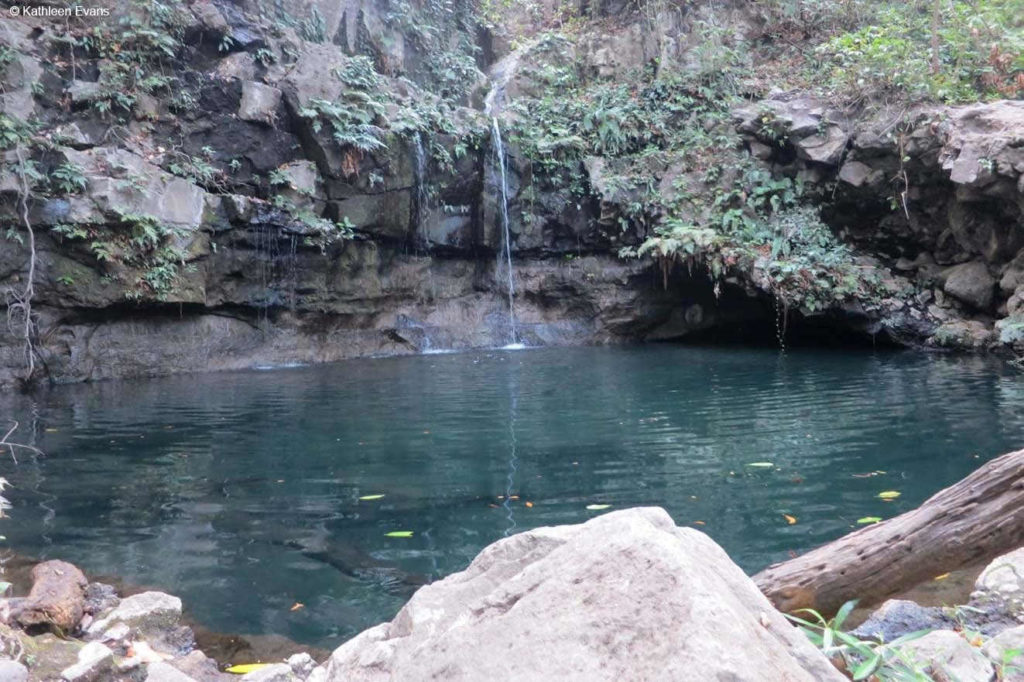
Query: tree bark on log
point(972, 521)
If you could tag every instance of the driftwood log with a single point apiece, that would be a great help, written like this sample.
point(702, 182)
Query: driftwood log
point(56, 600)
point(972, 521)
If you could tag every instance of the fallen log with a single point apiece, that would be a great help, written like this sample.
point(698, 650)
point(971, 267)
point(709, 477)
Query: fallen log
point(56, 600)
point(972, 521)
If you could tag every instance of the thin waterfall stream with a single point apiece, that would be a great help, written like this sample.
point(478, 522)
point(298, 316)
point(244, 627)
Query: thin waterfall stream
point(502, 161)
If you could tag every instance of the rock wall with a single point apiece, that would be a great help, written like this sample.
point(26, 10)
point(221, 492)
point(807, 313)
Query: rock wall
point(265, 185)
point(199, 236)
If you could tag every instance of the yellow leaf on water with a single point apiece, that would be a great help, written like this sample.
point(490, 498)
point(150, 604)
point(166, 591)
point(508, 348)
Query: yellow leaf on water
point(699, 523)
point(367, 498)
point(247, 668)
point(869, 519)
point(51, 430)
point(399, 534)
point(888, 494)
point(941, 577)
point(789, 519)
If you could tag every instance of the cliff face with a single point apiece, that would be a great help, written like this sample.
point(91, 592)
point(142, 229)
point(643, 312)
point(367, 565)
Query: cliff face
point(217, 185)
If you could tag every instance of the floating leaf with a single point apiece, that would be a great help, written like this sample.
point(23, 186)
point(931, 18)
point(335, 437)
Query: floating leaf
point(247, 668)
point(529, 504)
point(761, 465)
point(941, 577)
point(297, 605)
point(597, 507)
point(399, 534)
point(368, 498)
point(789, 519)
point(699, 523)
point(869, 519)
point(889, 494)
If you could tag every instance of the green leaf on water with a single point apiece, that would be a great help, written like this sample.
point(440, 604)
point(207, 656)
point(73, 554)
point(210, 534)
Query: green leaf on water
point(889, 494)
point(869, 519)
point(399, 534)
point(597, 507)
point(761, 465)
point(367, 498)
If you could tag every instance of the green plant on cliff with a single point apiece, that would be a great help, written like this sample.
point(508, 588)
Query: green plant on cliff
point(353, 119)
point(134, 53)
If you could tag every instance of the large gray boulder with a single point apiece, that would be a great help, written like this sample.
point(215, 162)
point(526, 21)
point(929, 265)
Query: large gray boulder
point(971, 283)
point(625, 596)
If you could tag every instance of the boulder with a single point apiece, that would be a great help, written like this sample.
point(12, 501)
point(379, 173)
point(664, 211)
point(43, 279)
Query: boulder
point(100, 597)
point(627, 595)
point(57, 598)
point(948, 657)
point(1000, 649)
point(826, 147)
point(1000, 587)
point(12, 671)
point(94, 659)
point(898, 617)
point(259, 102)
point(971, 283)
point(124, 183)
point(153, 616)
point(165, 672)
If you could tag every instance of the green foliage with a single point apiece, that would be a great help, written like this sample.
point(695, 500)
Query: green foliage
point(980, 52)
point(314, 27)
point(134, 53)
point(353, 118)
point(67, 178)
point(760, 226)
point(198, 169)
point(865, 659)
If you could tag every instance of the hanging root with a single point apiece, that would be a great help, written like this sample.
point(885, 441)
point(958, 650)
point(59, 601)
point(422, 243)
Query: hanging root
point(20, 318)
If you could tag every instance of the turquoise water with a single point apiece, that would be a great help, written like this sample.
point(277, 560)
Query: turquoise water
point(240, 491)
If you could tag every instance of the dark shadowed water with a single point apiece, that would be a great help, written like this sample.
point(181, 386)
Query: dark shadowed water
point(240, 492)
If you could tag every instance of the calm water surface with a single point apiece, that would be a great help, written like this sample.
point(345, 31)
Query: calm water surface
point(241, 492)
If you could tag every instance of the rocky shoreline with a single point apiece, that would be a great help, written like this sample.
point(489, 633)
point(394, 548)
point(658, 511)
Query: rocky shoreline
point(627, 595)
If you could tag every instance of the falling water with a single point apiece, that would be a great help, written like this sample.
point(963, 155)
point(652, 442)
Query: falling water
point(502, 161)
point(420, 210)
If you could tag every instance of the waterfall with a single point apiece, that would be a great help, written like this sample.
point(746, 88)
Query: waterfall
point(502, 161)
point(420, 210)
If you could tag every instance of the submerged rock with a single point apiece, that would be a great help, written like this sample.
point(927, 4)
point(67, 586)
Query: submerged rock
point(624, 596)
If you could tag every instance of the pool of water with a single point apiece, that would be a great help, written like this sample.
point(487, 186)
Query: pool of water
point(240, 492)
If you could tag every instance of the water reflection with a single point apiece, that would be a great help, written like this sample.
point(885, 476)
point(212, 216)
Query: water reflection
point(241, 492)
